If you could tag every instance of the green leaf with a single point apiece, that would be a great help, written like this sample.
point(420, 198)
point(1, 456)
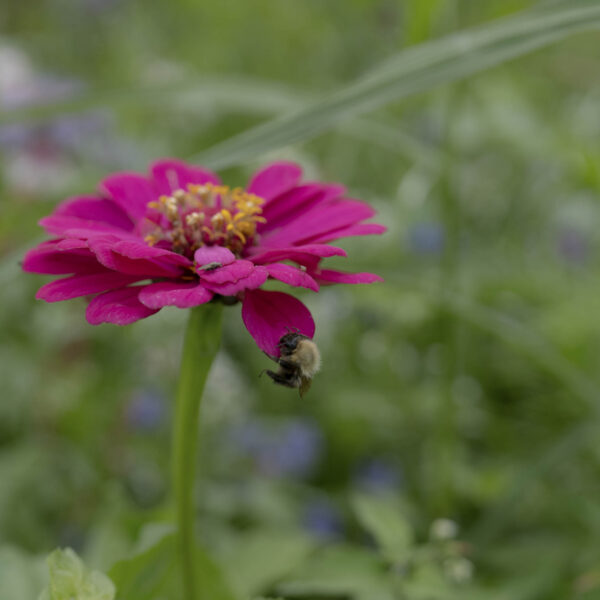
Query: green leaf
point(341, 570)
point(152, 571)
point(427, 582)
point(70, 579)
point(21, 576)
point(148, 571)
point(382, 517)
point(412, 71)
point(259, 559)
point(213, 584)
point(540, 352)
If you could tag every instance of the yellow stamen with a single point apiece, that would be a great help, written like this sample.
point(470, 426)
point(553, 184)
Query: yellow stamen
point(232, 214)
point(194, 218)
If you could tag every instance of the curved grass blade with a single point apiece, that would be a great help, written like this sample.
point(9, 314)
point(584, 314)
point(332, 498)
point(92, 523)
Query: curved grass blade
point(529, 344)
point(412, 71)
point(224, 94)
point(540, 352)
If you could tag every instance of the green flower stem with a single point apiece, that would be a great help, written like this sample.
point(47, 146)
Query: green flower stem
point(202, 338)
point(446, 440)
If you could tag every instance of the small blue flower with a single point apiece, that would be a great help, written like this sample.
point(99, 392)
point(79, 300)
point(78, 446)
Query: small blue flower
point(572, 246)
point(323, 520)
point(146, 410)
point(377, 475)
point(290, 449)
point(427, 237)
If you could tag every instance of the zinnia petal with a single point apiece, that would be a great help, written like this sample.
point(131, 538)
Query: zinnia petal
point(292, 276)
point(131, 192)
point(92, 208)
point(229, 273)
point(121, 307)
point(136, 258)
point(213, 254)
point(170, 175)
point(270, 315)
point(276, 179)
point(253, 280)
point(51, 259)
point(137, 249)
point(351, 231)
point(83, 285)
point(182, 295)
point(293, 204)
point(320, 220)
point(299, 254)
point(66, 226)
point(331, 276)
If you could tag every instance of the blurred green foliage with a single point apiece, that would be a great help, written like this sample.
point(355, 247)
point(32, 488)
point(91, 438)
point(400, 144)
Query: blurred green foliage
point(69, 578)
point(464, 388)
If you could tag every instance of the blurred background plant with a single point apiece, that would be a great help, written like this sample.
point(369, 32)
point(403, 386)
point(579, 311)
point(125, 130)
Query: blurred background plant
point(448, 447)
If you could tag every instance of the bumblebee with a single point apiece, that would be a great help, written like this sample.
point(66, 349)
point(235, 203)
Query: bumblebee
point(299, 360)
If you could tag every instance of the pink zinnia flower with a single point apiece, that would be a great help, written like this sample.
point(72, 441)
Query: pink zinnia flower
point(179, 238)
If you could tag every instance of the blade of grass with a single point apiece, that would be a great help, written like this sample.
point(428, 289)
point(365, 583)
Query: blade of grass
point(540, 352)
point(388, 135)
point(537, 21)
point(224, 94)
point(533, 346)
point(409, 72)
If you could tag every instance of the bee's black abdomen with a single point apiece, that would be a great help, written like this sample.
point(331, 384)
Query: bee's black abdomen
point(287, 378)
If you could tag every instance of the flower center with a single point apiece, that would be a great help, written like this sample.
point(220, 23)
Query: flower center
point(204, 215)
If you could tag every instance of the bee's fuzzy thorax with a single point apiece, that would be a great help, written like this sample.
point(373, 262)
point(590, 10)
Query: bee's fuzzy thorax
point(308, 357)
point(299, 360)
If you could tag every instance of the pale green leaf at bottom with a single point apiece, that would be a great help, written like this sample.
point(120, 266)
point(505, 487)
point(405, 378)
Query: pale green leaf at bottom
point(70, 579)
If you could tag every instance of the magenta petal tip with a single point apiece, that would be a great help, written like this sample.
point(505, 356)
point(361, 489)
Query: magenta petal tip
point(270, 315)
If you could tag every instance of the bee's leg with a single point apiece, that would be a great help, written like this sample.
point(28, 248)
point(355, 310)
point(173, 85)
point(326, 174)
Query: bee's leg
point(286, 364)
point(280, 379)
point(271, 357)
